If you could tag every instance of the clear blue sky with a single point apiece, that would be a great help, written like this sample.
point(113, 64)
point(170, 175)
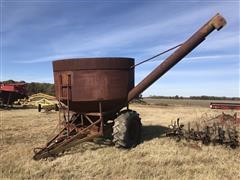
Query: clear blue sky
point(33, 33)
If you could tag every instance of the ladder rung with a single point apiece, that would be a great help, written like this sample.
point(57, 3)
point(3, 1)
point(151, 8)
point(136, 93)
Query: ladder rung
point(66, 86)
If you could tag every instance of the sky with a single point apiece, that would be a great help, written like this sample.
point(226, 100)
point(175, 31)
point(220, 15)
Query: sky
point(34, 33)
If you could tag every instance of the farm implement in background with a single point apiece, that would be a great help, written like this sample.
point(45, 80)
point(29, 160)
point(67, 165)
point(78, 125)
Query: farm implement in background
point(43, 102)
point(221, 105)
point(40, 101)
point(9, 93)
point(222, 129)
point(97, 92)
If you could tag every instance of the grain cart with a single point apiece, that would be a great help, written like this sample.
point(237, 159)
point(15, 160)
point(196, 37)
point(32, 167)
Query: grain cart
point(98, 91)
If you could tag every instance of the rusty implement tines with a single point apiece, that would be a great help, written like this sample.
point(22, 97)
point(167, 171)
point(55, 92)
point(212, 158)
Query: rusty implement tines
point(221, 129)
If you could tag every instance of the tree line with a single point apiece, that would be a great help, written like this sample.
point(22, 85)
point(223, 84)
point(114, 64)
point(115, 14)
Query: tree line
point(204, 97)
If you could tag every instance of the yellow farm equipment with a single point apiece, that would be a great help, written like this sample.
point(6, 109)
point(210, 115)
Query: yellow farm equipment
point(43, 101)
point(47, 105)
point(39, 96)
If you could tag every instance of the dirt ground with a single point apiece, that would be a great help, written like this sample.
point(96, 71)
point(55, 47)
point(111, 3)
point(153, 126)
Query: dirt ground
point(158, 157)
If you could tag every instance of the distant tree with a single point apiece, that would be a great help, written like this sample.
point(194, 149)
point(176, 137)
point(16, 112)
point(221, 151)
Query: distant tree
point(10, 81)
point(203, 97)
point(34, 87)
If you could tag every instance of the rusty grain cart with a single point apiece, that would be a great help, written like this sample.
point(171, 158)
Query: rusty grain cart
point(98, 91)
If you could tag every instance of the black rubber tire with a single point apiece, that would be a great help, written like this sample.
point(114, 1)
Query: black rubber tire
point(127, 129)
point(39, 107)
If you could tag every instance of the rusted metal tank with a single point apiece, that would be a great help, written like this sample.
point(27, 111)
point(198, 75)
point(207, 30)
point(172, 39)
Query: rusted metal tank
point(88, 81)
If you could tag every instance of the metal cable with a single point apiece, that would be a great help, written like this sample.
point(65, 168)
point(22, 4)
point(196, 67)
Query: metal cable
point(155, 56)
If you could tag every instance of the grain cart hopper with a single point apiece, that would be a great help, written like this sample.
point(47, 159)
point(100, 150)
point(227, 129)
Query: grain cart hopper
point(96, 92)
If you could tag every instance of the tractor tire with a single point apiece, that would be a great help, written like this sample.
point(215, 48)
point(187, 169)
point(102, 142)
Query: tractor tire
point(127, 129)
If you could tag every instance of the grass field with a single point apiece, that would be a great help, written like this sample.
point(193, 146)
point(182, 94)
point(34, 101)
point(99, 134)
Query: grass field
point(157, 157)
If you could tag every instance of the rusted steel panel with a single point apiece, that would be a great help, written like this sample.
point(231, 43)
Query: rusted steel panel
point(93, 80)
point(93, 64)
point(217, 22)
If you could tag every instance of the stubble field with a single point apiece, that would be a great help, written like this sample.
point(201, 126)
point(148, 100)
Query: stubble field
point(158, 157)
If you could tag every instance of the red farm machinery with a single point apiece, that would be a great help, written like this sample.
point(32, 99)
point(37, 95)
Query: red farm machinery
point(12, 92)
point(223, 105)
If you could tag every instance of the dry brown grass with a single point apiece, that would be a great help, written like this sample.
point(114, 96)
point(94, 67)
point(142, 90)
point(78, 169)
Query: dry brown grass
point(156, 158)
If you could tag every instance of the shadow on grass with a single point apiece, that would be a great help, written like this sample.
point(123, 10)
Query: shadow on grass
point(15, 107)
point(95, 144)
point(150, 132)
